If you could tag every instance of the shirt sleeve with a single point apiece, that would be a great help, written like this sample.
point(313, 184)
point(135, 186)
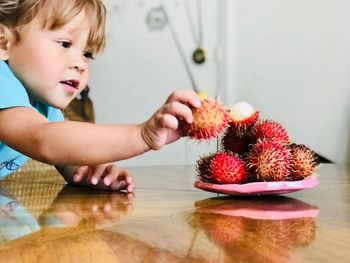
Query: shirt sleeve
point(12, 92)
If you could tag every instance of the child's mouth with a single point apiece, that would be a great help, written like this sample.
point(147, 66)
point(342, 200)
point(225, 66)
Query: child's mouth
point(70, 85)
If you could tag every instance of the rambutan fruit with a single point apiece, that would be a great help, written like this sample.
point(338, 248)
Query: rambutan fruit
point(242, 116)
point(303, 161)
point(269, 161)
point(230, 141)
point(209, 120)
point(272, 130)
point(221, 168)
point(203, 169)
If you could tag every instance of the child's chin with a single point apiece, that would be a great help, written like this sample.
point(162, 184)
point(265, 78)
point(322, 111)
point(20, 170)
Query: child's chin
point(61, 105)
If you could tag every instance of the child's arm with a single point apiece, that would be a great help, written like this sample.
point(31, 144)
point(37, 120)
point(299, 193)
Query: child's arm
point(103, 177)
point(77, 143)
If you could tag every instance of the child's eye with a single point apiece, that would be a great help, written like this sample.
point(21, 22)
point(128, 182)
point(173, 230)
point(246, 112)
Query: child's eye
point(88, 55)
point(65, 44)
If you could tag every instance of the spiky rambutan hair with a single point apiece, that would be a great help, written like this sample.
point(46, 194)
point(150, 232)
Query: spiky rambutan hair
point(271, 130)
point(209, 120)
point(303, 161)
point(269, 161)
point(222, 168)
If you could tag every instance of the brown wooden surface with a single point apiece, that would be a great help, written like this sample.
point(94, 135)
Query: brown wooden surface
point(168, 220)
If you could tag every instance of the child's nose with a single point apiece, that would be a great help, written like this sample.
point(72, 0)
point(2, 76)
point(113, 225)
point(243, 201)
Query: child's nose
point(79, 64)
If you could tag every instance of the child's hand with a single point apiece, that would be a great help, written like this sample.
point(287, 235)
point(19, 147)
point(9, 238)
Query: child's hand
point(163, 127)
point(104, 177)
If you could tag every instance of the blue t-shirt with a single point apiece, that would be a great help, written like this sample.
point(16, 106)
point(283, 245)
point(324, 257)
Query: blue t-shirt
point(13, 94)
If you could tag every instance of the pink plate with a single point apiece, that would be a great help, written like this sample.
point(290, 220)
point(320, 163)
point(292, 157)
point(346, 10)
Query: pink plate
point(259, 188)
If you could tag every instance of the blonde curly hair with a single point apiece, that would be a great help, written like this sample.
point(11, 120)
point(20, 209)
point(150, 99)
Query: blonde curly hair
point(17, 13)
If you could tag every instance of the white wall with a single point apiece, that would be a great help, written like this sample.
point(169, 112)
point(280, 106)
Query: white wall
point(290, 59)
point(141, 67)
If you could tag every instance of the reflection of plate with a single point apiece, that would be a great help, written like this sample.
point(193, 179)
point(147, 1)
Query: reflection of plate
point(259, 188)
point(274, 208)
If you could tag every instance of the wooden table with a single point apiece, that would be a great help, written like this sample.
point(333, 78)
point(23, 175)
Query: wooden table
point(168, 220)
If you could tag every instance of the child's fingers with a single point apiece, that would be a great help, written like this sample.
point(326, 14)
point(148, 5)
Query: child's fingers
point(179, 110)
point(122, 185)
point(122, 180)
point(80, 173)
point(97, 174)
point(168, 121)
point(112, 173)
point(185, 96)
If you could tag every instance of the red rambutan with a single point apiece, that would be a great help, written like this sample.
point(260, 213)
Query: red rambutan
point(242, 116)
point(271, 130)
point(221, 168)
point(303, 161)
point(209, 120)
point(269, 161)
point(234, 143)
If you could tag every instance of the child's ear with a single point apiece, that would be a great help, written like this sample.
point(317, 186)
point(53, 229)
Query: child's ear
point(6, 37)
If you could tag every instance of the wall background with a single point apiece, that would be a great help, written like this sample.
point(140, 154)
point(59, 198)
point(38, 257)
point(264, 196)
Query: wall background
point(290, 59)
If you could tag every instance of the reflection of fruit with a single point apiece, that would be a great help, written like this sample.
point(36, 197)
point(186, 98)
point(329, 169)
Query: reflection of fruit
point(269, 161)
point(209, 120)
point(268, 129)
point(234, 143)
point(225, 230)
point(303, 161)
point(221, 229)
point(256, 240)
point(222, 168)
point(303, 231)
point(242, 117)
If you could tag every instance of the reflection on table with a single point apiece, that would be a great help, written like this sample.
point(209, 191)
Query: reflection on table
point(256, 230)
point(168, 220)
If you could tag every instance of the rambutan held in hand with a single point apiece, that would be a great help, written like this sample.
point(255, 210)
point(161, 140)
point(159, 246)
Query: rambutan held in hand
point(209, 120)
point(271, 130)
point(269, 161)
point(242, 117)
point(303, 161)
point(234, 143)
point(221, 168)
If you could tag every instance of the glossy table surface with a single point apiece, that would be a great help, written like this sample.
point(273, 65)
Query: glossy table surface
point(168, 220)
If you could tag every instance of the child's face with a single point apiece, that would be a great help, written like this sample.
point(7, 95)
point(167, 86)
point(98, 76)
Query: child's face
point(53, 65)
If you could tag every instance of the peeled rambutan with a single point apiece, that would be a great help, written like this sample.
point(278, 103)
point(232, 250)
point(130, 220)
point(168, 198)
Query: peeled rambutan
point(272, 130)
point(269, 161)
point(221, 168)
point(209, 120)
point(242, 116)
point(232, 142)
point(303, 161)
